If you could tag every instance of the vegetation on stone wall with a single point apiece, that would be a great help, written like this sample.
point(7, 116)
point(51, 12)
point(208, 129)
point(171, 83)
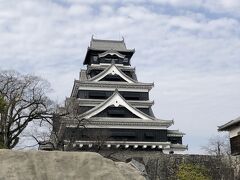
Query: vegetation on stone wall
point(191, 171)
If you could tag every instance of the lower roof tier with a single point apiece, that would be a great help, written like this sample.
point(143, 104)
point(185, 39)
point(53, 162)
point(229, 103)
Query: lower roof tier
point(104, 66)
point(115, 85)
point(125, 123)
point(110, 86)
point(166, 147)
point(95, 102)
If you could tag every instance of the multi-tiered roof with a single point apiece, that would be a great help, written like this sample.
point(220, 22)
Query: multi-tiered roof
point(115, 105)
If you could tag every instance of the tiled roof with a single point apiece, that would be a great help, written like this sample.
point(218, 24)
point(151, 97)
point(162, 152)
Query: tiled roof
point(83, 75)
point(116, 122)
point(229, 124)
point(95, 102)
point(175, 133)
point(108, 45)
point(104, 66)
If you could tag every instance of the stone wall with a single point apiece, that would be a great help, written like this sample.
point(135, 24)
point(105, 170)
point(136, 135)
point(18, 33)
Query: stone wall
point(165, 166)
point(235, 161)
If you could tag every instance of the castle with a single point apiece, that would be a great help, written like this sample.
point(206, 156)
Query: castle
point(112, 108)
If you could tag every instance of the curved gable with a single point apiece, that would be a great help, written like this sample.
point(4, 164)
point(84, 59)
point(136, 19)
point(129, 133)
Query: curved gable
point(116, 100)
point(111, 53)
point(113, 70)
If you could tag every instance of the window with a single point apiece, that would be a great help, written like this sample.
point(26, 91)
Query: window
point(97, 95)
point(95, 59)
point(125, 60)
point(131, 96)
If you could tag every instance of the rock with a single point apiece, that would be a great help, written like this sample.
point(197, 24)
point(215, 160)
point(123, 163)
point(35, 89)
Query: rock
point(44, 165)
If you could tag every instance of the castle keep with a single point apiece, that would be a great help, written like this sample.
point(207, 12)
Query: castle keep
point(112, 107)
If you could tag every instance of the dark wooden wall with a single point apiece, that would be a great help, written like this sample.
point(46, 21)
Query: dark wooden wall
point(235, 145)
point(146, 135)
point(93, 94)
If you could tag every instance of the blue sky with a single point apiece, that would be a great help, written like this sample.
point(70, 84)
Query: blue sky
point(189, 49)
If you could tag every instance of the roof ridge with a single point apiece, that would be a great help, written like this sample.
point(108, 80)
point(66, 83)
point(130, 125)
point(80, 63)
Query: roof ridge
point(229, 124)
point(109, 40)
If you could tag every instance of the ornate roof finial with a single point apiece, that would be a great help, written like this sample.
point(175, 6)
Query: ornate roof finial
point(91, 40)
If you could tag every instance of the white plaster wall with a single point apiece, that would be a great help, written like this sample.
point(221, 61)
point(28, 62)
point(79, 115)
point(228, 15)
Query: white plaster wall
point(234, 132)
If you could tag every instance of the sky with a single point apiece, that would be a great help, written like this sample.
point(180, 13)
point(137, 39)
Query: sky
point(189, 49)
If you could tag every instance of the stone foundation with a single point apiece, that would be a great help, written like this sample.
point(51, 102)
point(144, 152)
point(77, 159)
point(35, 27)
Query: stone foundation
point(165, 166)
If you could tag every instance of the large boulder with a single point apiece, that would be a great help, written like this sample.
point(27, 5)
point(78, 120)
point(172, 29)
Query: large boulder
point(43, 165)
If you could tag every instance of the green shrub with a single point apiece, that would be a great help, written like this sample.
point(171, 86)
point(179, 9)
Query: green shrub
point(2, 145)
point(187, 171)
point(1, 141)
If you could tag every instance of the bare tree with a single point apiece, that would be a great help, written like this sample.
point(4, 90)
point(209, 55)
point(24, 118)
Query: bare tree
point(99, 138)
point(26, 100)
point(218, 145)
point(52, 132)
point(37, 133)
point(2, 104)
point(2, 108)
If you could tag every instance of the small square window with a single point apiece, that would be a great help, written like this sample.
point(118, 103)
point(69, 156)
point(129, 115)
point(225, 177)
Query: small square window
point(95, 58)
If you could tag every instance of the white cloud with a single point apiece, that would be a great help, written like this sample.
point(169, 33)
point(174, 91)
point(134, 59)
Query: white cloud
point(230, 7)
point(191, 55)
point(181, 3)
